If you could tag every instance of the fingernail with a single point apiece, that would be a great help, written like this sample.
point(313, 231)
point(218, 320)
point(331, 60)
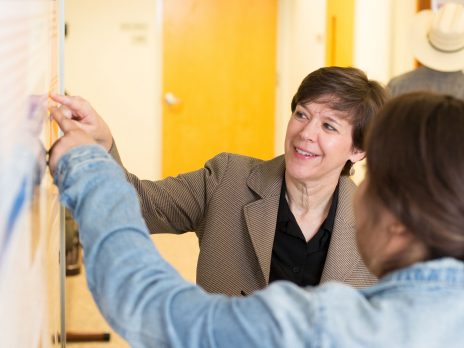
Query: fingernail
point(56, 95)
point(67, 113)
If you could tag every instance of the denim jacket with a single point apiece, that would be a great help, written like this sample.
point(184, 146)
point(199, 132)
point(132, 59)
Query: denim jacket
point(146, 301)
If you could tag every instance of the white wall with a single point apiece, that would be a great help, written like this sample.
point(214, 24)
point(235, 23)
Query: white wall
point(401, 58)
point(381, 44)
point(372, 38)
point(112, 58)
point(301, 49)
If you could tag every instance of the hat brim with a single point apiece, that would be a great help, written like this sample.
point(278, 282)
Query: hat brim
point(425, 53)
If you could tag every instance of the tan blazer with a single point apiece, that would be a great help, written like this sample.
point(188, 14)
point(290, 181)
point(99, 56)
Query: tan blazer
point(232, 204)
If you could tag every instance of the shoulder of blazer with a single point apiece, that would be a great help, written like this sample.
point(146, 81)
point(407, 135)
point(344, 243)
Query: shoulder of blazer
point(264, 178)
point(346, 191)
point(229, 165)
point(236, 161)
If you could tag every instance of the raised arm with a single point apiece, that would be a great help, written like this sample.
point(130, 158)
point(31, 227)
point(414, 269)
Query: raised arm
point(173, 205)
point(140, 295)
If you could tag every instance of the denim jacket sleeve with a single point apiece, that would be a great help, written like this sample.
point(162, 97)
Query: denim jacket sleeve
point(142, 296)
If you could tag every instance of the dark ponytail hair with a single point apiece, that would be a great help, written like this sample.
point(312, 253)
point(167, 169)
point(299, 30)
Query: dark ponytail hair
point(415, 161)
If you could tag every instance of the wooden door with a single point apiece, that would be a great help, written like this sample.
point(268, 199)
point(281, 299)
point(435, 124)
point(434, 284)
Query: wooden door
point(219, 66)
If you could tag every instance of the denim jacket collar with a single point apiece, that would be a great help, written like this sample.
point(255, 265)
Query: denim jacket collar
point(439, 273)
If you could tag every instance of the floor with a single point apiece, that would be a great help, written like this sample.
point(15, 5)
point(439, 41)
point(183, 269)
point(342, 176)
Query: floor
point(82, 314)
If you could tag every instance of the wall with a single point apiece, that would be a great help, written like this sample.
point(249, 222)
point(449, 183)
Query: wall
point(382, 37)
point(31, 280)
point(112, 58)
point(402, 59)
point(372, 38)
point(300, 50)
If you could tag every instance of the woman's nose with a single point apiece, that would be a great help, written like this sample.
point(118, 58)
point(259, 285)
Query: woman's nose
point(310, 131)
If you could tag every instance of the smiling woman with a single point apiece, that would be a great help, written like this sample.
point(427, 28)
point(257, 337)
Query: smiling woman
point(288, 218)
point(324, 139)
point(318, 143)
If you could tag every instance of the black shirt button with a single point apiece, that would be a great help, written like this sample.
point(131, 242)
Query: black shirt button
point(296, 269)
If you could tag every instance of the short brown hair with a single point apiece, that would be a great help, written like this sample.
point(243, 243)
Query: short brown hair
point(344, 89)
point(415, 163)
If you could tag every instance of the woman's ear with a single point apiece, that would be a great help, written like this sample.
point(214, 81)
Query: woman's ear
point(399, 238)
point(357, 155)
point(402, 241)
point(397, 229)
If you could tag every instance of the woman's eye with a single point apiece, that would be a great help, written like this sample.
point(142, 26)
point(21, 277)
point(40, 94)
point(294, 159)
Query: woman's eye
point(299, 114)
point(329, 127)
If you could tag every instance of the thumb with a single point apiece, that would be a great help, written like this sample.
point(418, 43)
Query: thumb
point(65, 123)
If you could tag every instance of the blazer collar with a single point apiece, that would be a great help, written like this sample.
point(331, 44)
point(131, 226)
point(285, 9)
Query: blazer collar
point(343, 256)
point(265, 180)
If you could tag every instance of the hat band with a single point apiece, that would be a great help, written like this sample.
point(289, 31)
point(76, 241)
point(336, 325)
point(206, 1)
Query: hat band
point(441, 49)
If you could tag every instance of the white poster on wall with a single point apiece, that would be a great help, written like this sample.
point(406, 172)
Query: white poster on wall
point(29, 209)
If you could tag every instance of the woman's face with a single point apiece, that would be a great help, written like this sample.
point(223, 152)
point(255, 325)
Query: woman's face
point(318, 143)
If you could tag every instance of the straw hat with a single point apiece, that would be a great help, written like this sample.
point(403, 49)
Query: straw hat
point(438, 38)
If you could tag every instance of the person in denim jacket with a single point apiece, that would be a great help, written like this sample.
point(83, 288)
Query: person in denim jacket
point(409, 218)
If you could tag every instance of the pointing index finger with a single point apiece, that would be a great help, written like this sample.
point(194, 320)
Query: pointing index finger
point(77, 105)
point(62, 99)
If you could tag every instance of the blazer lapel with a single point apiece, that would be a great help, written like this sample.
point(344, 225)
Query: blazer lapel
point(343, 256)
point(261, 215)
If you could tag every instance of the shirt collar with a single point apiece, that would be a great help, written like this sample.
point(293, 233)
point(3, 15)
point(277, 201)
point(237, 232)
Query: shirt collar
point(284, 213)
